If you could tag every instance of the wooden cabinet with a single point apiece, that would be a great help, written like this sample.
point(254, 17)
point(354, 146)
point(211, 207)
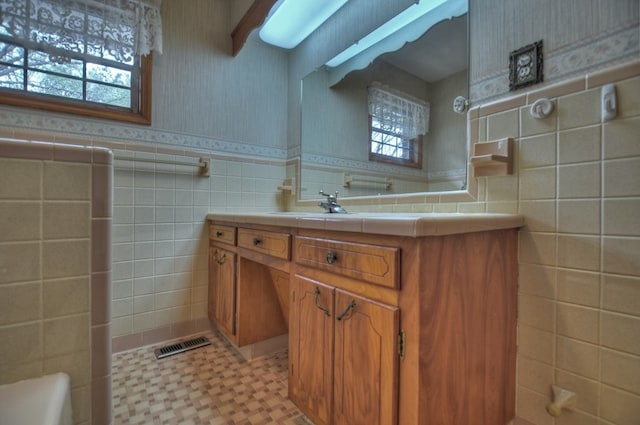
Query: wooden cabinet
point(222, 289)
point(248, 296)
point(343, 338)
point(343, 355)
point(383, 329)
point(366, 360)
point(311, 340)
point(222, 278)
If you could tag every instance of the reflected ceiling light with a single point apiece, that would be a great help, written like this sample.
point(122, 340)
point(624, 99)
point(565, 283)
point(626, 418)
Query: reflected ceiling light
point(291, 21)
point(401, 20)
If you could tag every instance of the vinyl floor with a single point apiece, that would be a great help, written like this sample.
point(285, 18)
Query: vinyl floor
point(210, 385)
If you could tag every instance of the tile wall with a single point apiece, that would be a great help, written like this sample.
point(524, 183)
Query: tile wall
point(577, 183)
point(55, 216)
point(579, 189)
point(160, 238)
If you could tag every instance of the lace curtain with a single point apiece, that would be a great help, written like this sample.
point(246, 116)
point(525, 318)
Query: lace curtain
point(110, 29)
point(398, 113)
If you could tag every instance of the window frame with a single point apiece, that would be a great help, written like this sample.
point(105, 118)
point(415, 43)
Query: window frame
point(416, 146)
point(143, 80)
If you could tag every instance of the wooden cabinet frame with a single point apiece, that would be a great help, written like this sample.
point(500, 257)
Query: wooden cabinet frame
point(255, 284)
point(454, 304)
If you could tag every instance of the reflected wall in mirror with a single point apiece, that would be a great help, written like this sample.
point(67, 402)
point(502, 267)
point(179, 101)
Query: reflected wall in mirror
point(335, 139)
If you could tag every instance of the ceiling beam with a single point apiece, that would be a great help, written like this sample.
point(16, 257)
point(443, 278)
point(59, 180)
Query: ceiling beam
point(253, 18)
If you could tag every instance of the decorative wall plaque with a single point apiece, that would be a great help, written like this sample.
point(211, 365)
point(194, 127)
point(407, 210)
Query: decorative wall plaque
point(525, 66)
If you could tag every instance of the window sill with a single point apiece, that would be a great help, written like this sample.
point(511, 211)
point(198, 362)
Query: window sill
point(28, 100)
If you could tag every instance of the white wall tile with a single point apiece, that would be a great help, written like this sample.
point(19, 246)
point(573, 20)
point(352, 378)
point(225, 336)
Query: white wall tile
point(621, 177)
point(538, 151)
point(621, 370)
point(621, 137)
point(579, 287)
point(621, 217)
point(582, 323)
point(579, 145)
point(578, 357)
point(144, 196)
point(538, 183)
point(621, 294)
point(579, 181)
point(579, 252)
point(621, 255)
point(143, 286)
point(619, 407)
point(621, 332)
point(579, 216)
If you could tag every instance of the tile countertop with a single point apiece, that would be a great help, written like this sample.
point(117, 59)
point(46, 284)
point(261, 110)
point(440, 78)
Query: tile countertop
point(398, 224)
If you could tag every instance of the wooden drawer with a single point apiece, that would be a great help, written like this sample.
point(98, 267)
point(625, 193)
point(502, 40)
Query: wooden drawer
point(370, 263)
point(224, 234)
point(264, 242)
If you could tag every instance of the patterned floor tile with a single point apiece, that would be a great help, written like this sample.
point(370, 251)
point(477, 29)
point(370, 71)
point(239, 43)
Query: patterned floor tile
point(212, 385)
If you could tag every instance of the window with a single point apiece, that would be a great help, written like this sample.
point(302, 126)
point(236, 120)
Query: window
point(389, 145)
point(88, 57)
point(397, 124)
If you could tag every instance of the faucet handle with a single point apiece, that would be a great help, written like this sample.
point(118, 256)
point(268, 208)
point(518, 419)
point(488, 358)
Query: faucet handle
point(330, 197)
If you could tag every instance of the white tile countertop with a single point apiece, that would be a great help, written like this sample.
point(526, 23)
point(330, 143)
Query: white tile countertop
point(398, 224)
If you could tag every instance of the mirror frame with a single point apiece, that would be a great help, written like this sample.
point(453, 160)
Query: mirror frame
point(470, 194)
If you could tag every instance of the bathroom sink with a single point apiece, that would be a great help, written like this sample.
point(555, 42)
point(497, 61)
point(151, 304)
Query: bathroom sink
point(311, 214)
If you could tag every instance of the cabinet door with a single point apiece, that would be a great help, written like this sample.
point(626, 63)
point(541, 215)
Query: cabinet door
point(311, 348)
point(366, 361)
point(222, 289)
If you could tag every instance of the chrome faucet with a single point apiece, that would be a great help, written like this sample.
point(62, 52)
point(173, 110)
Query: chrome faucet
point(331, 204)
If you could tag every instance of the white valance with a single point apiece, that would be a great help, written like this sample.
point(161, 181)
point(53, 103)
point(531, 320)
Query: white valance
point(109, 29)
point(400, 114)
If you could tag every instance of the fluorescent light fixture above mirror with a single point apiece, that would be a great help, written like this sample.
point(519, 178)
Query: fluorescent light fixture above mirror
point(401, 20)
point(291, 21)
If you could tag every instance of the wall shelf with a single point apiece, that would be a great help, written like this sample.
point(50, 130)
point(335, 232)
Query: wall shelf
point(493, 158)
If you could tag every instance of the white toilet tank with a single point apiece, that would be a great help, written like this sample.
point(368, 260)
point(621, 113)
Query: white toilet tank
point(39, 401)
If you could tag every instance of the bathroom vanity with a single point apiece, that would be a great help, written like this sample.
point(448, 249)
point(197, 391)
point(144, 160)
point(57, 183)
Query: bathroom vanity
point(392, 318)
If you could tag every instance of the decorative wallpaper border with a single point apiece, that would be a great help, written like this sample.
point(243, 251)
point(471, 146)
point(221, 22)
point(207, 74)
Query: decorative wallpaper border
point(376, 167)
point(33, 120)
point(560, 64)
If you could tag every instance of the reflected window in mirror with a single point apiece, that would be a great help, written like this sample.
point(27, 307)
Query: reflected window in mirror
point(397, 123)
point(388, 144)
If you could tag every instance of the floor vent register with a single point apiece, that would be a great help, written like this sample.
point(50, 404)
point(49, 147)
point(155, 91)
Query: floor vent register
point(180, 347)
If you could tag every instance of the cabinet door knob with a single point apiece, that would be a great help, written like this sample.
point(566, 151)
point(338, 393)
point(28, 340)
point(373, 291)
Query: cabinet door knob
point(331, 257)
point(219, 234)
point(257, 241)
point(324, 310)
point(351, 305)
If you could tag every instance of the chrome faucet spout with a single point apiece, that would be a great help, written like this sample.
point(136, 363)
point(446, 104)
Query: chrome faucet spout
point(331, 204)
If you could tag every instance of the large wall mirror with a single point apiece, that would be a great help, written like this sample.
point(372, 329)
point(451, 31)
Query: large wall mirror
point(430, 70)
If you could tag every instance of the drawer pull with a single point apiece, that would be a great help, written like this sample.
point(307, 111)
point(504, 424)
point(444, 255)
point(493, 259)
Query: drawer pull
point(351, 305)
point(219, 234)
point(257, 241)
point(324, 310)
point(331, 257)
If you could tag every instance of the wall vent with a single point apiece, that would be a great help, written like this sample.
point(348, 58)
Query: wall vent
point(180, 347)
